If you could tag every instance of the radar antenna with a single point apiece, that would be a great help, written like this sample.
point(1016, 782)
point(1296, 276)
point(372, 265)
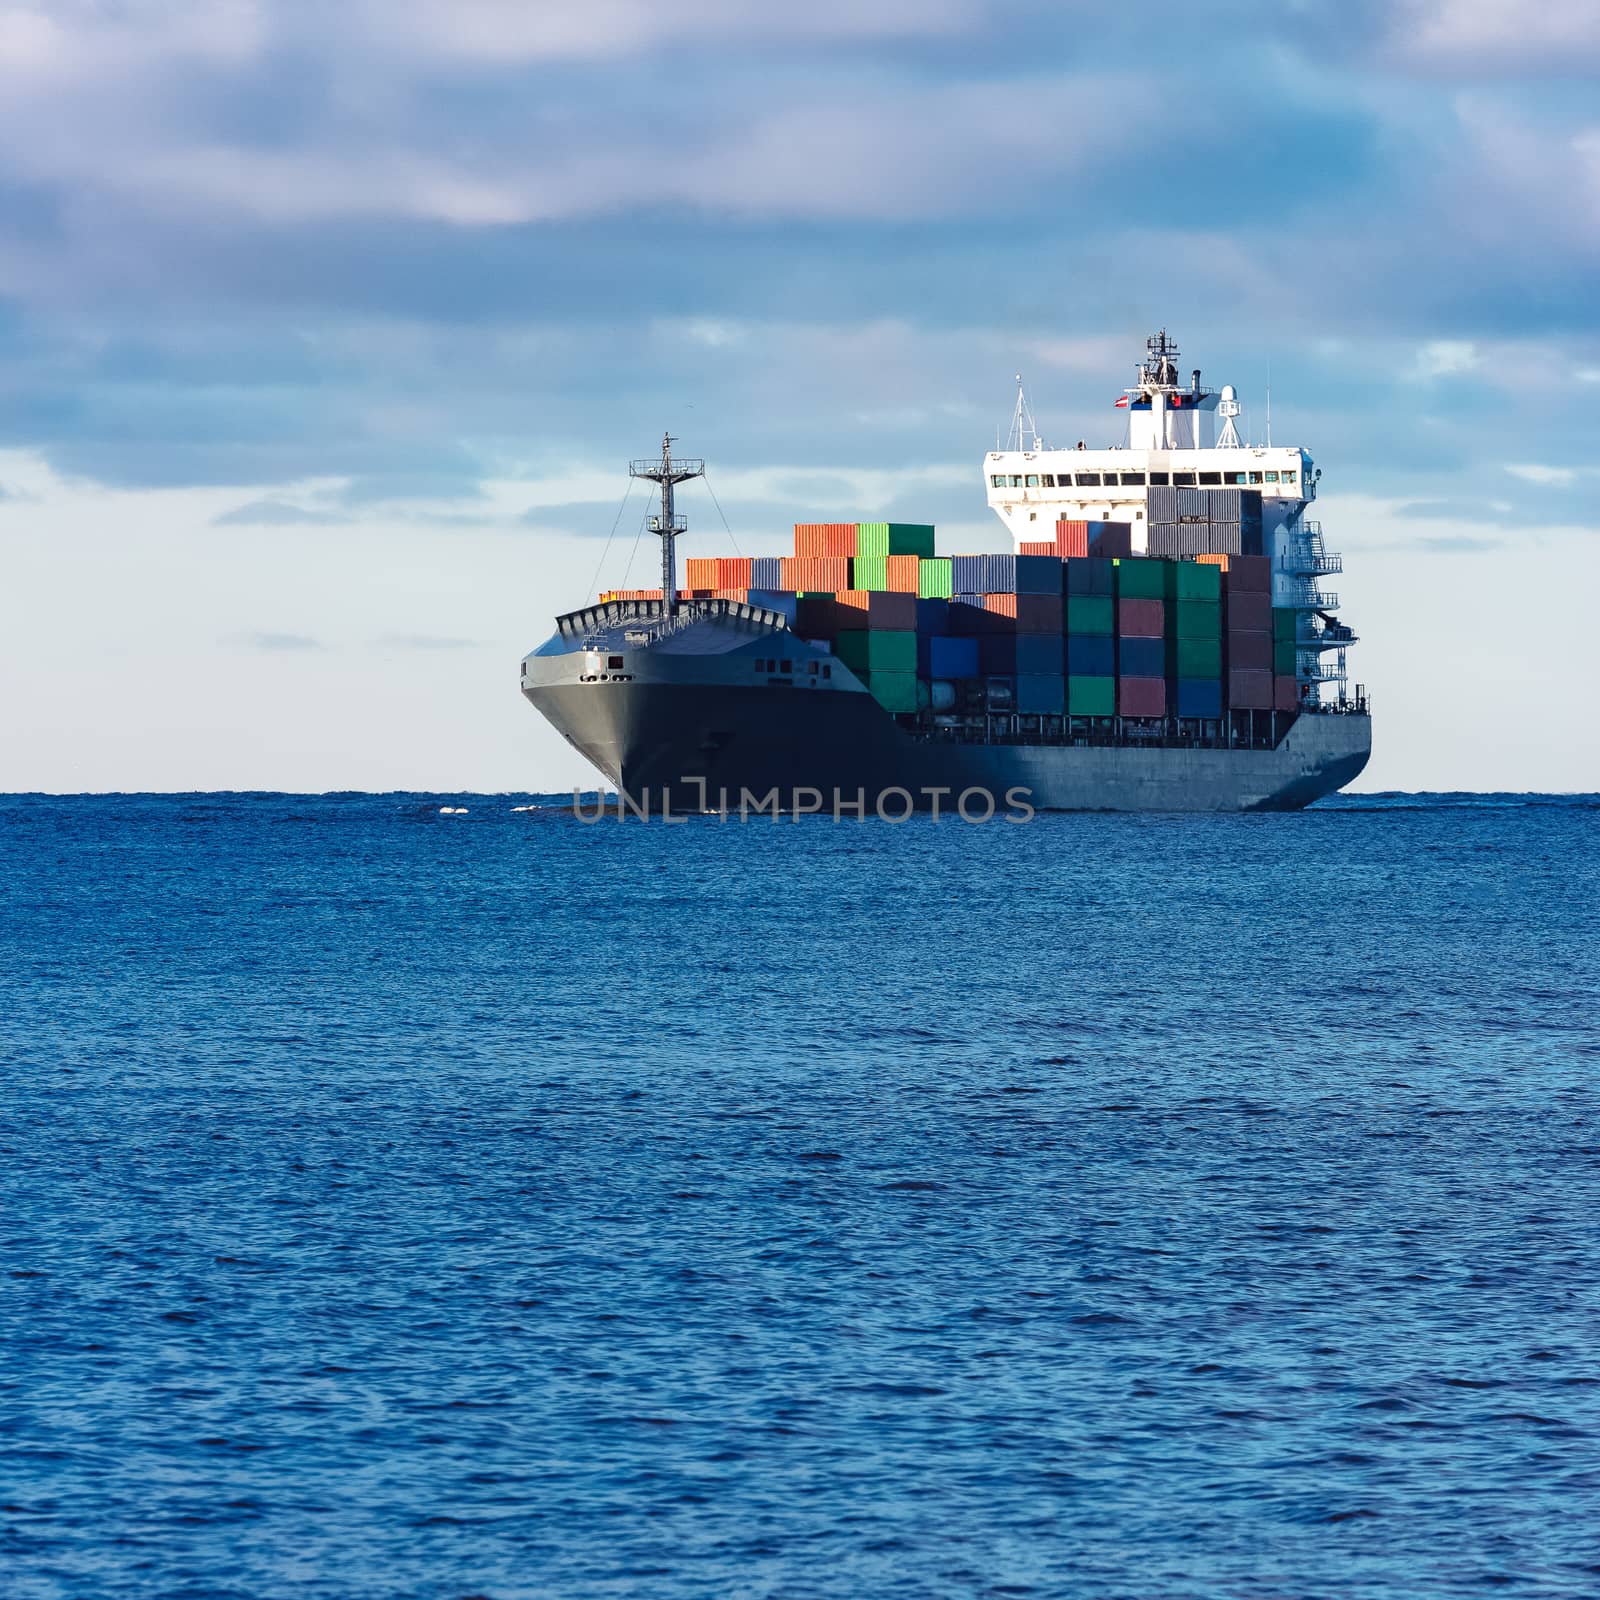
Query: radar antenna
point(668, 473)
point(1228, 408)
point(1022, 426)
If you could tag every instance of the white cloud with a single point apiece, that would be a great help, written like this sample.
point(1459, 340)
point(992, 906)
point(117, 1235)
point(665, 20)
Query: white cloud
point(1547, 476)
point(1445, 358)
point(1495, 35)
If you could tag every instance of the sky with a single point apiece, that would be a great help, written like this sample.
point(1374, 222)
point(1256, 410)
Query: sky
point(327, 331)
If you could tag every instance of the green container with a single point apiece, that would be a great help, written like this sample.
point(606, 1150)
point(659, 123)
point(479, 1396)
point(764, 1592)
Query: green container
point(1195, 619)
point(894, 691)
point(894, 539)
point(1194, 658)
point(1139, 578)
point(1091, 697)
point(935, 578)
point(1283, 662)
point(866, 650)
point(870, 572)
point(1192, 580)
point(1283, 618)
point(1090, 613)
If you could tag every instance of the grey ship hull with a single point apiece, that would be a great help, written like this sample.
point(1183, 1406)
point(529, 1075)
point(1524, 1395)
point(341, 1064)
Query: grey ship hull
point(689, 721)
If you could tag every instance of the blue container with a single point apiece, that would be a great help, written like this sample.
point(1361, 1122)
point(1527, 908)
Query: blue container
point(933, 616)
point(947, 657)
point(1088, 575)
point(1041, 694)
point(1142, 658)
point(1006, 575)
point(1091, 655)
point(1039, 653)
point(779, 600)
point(766, 572)
point(997, 654)
point(1199, 697)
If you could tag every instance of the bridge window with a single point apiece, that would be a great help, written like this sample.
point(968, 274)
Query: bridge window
point(1272, 477)
point(997, 480)
point(1032, 481)
point(786, 666)
point(1133, 480)
point(1048, 480)
point(1255, 477)
point(1088, 480)
point(1288, 478)
point(1233, 477)
point(1183, 480)
point(1160, 480)
point(1211, 478)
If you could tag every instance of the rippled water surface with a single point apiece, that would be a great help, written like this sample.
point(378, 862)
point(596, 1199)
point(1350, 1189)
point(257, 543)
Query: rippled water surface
point(398, 1204)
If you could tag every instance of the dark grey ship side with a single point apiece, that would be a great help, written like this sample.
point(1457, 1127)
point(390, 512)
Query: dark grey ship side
point(717, 700)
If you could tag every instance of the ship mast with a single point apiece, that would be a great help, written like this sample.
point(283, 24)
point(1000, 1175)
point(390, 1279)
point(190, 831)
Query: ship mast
point(668, 473)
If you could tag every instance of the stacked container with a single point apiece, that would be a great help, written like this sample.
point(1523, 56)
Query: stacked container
point(1141, 629)
point(1249, 633)
point(1194, 638)
point(823, 539)
point(893, 539)
point(1091, 651)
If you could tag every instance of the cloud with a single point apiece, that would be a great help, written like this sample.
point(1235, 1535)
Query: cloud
point(1445, 358)
point(1495, 37)
point(1533, 473)
point(282, 642)
point(274, 513)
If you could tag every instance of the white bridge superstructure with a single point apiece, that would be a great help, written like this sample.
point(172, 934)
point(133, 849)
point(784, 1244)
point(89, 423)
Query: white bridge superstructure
point(1172, 440)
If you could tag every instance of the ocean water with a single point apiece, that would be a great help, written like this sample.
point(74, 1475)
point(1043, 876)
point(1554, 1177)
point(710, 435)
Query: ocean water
point(397, 1204)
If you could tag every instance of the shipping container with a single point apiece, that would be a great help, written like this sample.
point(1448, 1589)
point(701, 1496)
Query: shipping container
point(900, 573)
point(1195, 619)
point(816, 616)
point(1006, 575)
point(1285, 693)
point(869, 572)
point(1171, 540)
point(1199, 697)
point(1249, 689)
point(934, 577)
point(1072, 538)
point(1147, 618)
point(1092, 697)
point(1250, 651)
point(894, 691)
point(1142, 697)
point(1041, 694)
point(877, 650)
point(877, 609)
point(1139, 657)
point(815, 574)
point(949, 658)
point(729, 594)
point(1190, 580)
point(779, 600)
point(1194, 658)
point(1283, 658)
point(894, 539)
point(1036, 547)
point(766, 572)
point(1248, 612)
point(1090, 613)
point(997, 655)
point(1139, 579)
point(933, 615)
point(1093, 575)
point(1249, 575)
point(1091, 655)
point(1161, 503)
point(1110, 539)
point(733, 572)
point(1040, 653)
point(825, 539)
point(700, 572)
point(1213, 558)
point(969, 615)
point(1032, 613)
point(1283, 622)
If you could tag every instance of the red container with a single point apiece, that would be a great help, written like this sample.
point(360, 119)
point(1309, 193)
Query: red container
point(1249, 689)
point(1033, 613)
point(1249, 612)
point(1285, 694)
point(1072, 538)
point(902, 573)
point(1141, 619)
point(877, 608)
point(700, 572)
point(1250, 652)
point(816, 616)
point(1142, 697)
point(1036, 547)
point(814, 574)
point(733, 572)
point(1249, 575)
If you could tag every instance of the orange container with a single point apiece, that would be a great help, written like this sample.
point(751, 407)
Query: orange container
point(1072, 538)
point(700, 572)
point(824, 539)
point(902, 574)
point(1216, 560)
point(733, 572)
point(732, 594)
point(1036, 547)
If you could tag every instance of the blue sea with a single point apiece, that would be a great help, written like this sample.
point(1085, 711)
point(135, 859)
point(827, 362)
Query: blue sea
point(399, 1204)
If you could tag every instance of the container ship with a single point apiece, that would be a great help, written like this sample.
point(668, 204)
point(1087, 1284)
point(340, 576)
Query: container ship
point(1159, 638)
